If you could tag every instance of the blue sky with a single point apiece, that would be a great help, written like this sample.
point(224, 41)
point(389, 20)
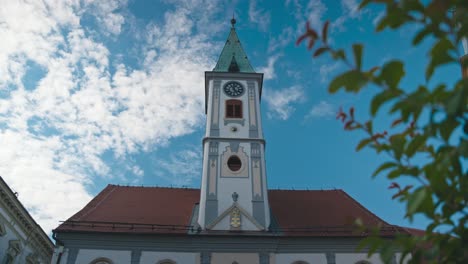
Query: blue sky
point(99, 92)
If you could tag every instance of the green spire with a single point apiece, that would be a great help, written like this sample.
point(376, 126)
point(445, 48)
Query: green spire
point(233, 57)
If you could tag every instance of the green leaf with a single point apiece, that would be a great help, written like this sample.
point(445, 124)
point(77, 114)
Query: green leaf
point(391, 73)
point(394, 174)
point(352, 81)
point(363, 143)
point(397, 143)
point(439, 55)
point(320, 51)
point(380, 99)
point(386, 165)
point(357, 51)
point(415, 144)
point(463, 148)
point(446, 128)
point(421, 35)
point(338, 55)
point(415, 200)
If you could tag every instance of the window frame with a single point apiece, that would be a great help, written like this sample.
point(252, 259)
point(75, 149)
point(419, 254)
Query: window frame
point(236, 113)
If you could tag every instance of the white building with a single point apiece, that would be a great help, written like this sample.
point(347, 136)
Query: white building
point(22, 240)
point(233, 218)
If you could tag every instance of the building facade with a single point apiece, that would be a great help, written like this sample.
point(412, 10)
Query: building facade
point(22, 240)
point(233, 218)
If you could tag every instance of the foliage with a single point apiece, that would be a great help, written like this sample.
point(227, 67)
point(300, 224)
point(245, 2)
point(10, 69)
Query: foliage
point(428, 139)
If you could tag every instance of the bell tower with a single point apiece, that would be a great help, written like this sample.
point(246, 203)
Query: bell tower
point(233, 191)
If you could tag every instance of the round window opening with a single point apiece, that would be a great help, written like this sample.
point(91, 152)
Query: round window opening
point(234, 163)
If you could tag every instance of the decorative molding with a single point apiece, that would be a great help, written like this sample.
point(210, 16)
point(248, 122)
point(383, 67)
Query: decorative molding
point(253, 122)
point(243, 172)
point(36, 236)
point(234, 206)
point(240, 121)
point(14, 248)
point(215, 109)
point(220, 241)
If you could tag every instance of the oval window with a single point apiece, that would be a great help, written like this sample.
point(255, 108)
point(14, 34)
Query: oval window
point(234, 163)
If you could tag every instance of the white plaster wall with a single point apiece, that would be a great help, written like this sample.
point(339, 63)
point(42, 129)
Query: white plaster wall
point(291, 258)
point(350, 258)
point(85, 256)
point(179, 257)
point(228, 258)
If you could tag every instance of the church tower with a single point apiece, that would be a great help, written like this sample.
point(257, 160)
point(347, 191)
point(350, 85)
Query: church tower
point(233, 191)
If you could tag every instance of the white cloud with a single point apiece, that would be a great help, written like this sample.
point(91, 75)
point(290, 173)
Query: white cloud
point(286, 37)
point(269, 70)
point(53, 136)
point(259, 16)
point(280, 103)
point(326, 70)
point(350, 10)
point(350, 7)
point(316, 10)
point(107, 15)
point(321, 110)
point(181, 168)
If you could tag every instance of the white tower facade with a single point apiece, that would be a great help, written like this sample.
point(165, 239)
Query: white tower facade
point(234, 190)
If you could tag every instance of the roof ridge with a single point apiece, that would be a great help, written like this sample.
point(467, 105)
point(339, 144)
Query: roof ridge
point(367, 211)
point(155, 187)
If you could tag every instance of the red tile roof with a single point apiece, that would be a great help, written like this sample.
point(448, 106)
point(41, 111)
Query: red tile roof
point(125, 209)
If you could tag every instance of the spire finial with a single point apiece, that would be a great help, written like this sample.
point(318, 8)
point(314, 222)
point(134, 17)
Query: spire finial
point(233, 20)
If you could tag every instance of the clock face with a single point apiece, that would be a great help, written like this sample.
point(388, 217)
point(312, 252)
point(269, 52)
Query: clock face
point(233, 89)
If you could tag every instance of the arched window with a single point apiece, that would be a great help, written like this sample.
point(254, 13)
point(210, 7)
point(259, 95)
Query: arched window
point(102, 261)
point(166, 261)
point(233, 108)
